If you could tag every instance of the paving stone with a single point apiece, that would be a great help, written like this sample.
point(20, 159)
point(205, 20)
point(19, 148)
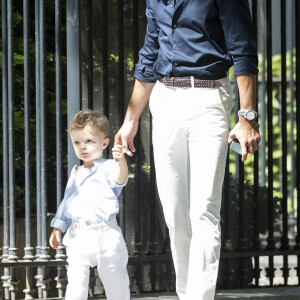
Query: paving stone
point(278, 293)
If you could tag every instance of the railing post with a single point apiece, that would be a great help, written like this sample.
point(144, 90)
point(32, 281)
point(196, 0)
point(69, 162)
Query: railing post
point(44, 256)
point(60, 255)
point(284, 238)
point(11, 156)
point(38, 277)
point(73, 70)
point(292, 172)
point(5, 278)
point(28, 250)
point(105, 65)
point(297, 26)
point(227, 245)
point(137, 160)
point(121, 98)
point(262, 94)
point(256, 204)
point(90, 58)
point(271, 241)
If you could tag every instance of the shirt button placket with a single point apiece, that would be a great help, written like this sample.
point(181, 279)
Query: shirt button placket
point(175, 48)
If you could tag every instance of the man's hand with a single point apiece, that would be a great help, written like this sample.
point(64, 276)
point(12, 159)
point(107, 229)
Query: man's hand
point(246, 132)
point(55, 238)
point(126, 135)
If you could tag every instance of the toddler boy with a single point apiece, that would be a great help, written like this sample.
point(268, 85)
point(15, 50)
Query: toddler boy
point(88, 212)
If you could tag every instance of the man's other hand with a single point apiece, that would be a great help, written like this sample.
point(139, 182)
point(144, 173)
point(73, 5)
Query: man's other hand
point(247, 133)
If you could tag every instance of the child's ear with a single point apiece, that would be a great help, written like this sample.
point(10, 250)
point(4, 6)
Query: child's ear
point(105, 143)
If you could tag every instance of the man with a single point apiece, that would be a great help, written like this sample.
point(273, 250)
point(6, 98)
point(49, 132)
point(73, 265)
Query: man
point(189, 47)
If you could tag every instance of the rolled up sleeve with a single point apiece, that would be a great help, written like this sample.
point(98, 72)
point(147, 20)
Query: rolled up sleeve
point(116, 187)
point(60, 221)
point(236, 22)
point(148, 54)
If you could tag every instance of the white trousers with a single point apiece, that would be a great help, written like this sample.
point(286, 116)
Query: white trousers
point(100, 245)
point(190, 131)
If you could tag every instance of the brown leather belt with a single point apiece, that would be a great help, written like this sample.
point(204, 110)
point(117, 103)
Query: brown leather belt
point(188, 82)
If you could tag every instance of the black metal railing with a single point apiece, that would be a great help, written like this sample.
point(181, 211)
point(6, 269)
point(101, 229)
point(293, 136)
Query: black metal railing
point(61, 56)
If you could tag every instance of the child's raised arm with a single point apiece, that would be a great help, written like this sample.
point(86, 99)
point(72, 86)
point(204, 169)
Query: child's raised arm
point(119, 157)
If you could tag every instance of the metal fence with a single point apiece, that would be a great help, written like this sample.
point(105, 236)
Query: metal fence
point(61, 56)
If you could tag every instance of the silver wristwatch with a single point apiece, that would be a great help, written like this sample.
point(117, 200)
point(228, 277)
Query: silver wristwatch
point(249, 114)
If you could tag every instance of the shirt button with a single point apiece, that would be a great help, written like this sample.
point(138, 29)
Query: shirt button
point(174, 26)
point(172, 6)
point(176, 49)
point(175, 65)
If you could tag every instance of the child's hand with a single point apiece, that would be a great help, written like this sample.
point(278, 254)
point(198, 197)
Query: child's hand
point(55, 238)
point(117, 153)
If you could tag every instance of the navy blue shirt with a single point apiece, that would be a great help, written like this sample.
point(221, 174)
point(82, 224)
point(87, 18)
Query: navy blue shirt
point(201, 38)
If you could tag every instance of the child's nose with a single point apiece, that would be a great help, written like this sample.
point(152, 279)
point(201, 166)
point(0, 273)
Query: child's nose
point(83, 146)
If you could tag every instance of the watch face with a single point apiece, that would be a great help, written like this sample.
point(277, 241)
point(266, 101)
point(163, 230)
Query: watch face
point(250, 115)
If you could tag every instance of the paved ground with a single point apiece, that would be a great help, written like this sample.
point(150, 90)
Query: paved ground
point(292, 293)
point(278, 293)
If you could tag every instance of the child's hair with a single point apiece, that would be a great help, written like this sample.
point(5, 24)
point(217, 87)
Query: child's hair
point(89, 117)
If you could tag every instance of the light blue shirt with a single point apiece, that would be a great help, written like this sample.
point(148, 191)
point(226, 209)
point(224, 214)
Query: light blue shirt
point(90, 195)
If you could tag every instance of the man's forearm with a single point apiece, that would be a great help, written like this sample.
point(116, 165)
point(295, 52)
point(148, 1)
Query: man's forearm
point(139, 99)
point(247, 90)
point(245, 131)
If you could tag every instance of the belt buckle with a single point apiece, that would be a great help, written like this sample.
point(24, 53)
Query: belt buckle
point(192, 81)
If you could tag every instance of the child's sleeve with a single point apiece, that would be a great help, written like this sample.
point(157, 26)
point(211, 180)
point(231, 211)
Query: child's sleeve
point(112, 173)
point(60, 221)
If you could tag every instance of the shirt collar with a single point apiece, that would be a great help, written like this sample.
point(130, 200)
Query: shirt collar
point(98, 161)
point(96, 164)
point(93, 169)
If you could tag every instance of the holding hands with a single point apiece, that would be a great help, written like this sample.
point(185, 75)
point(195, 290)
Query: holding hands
point(126, 135)
point(118, 153)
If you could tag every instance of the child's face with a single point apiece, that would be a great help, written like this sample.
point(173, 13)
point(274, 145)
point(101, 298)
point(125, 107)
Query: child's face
point(89, 143)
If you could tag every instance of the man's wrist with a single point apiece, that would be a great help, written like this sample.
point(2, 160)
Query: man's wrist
point(243, 120)
point(249, 114)
point(131, 119)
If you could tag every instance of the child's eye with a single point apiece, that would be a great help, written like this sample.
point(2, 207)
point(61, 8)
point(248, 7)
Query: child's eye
point(76, 143)
point(89, 141)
